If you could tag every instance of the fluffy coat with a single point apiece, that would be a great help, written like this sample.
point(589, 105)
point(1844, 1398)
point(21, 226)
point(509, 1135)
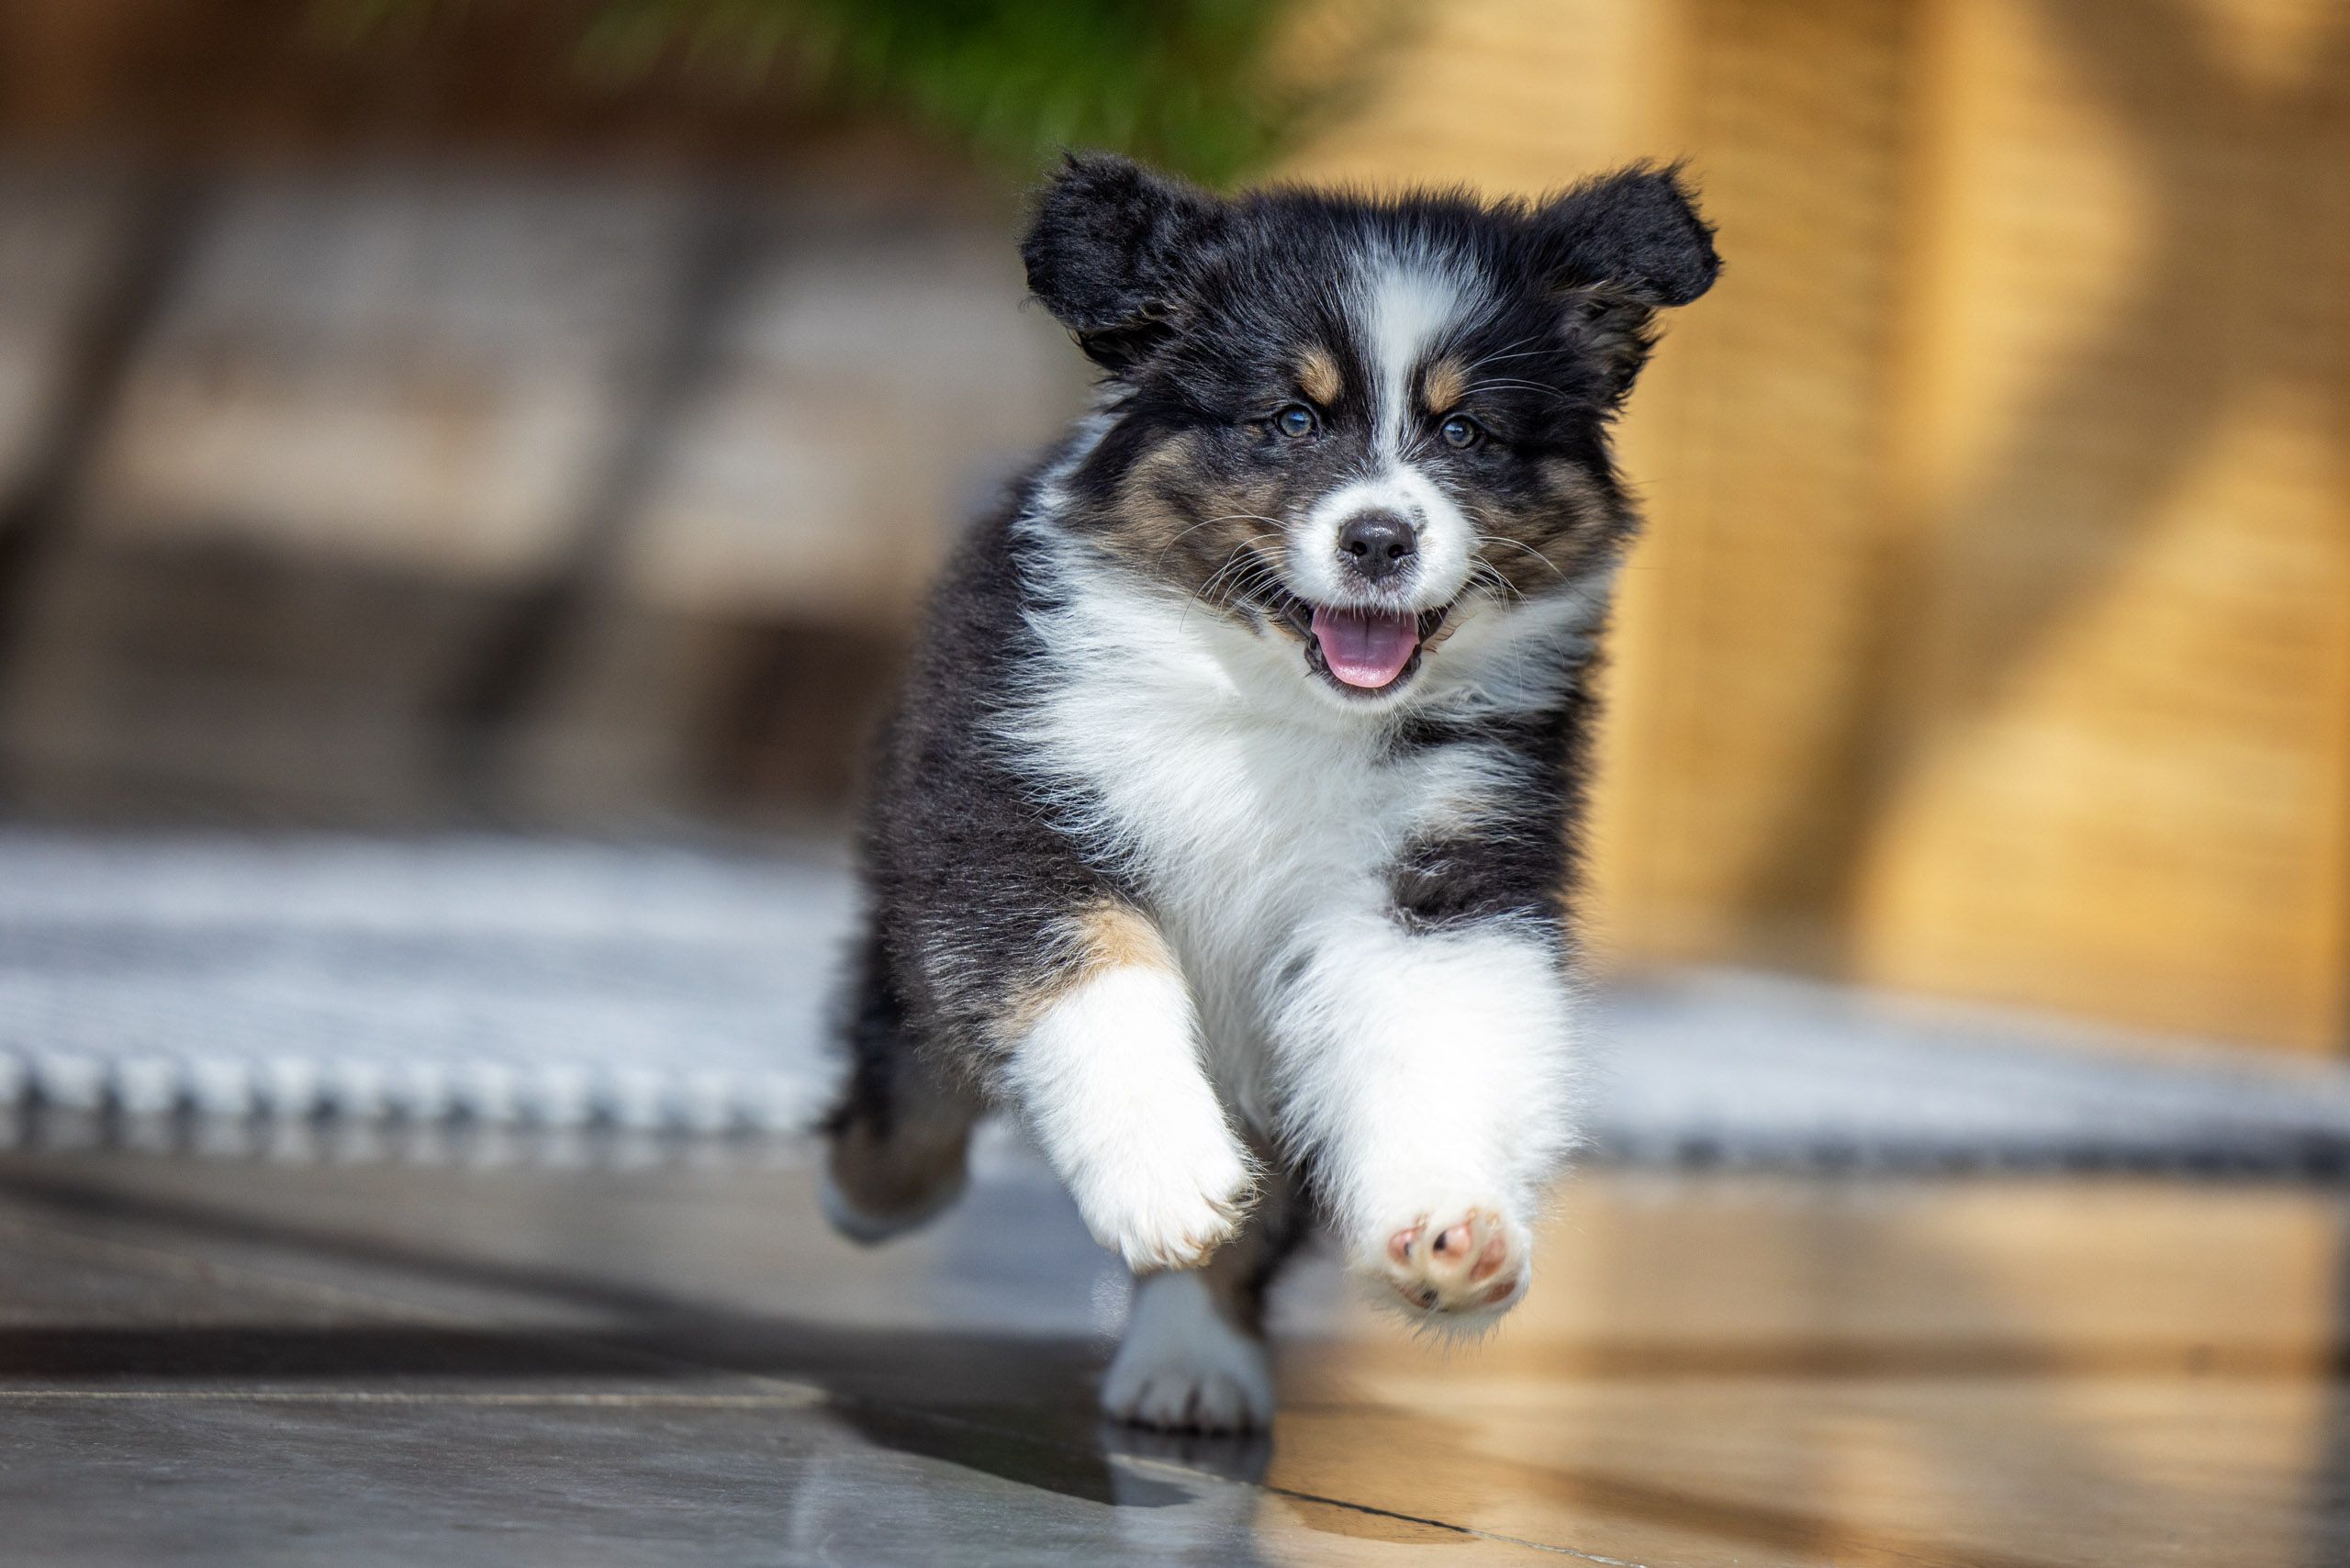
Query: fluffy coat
point(1225, 831)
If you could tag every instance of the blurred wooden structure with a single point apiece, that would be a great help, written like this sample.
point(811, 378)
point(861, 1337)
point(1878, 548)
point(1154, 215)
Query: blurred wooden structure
point(425, 432)
point(1993, 635)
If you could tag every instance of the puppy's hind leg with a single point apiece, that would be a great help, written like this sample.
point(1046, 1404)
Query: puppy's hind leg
point(1194, 1358)
point(899, 1135)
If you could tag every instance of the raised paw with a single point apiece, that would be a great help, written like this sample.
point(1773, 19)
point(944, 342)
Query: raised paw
point(1456, 1266)
point(1183, 1368)
point(1171, 1203)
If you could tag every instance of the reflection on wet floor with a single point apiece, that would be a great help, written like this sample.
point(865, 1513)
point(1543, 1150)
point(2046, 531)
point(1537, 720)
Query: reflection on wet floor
point(207, 1360)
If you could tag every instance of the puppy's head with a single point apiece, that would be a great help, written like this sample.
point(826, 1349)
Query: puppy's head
point(1344, 421)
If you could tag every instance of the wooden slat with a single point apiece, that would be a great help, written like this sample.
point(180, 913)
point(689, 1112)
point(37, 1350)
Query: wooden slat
point(2118, 780)
point(1993, 633)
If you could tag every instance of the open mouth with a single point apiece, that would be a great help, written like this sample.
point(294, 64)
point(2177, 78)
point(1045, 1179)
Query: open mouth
point(1363, 653)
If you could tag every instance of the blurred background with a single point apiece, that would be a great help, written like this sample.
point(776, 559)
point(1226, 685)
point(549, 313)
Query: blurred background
point(467, 472)
point(541, 416)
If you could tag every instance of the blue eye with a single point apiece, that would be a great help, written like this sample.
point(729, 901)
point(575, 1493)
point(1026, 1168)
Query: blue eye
point(1460, 430)
point(1295, 420)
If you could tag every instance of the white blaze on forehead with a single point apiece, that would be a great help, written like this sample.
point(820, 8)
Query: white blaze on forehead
point(1408, 303)
point(1406, 306)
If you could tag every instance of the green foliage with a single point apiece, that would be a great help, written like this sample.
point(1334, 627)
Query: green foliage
point(1188, 85)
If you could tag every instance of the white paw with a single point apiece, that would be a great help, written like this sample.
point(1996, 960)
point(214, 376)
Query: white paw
point(1456, 1265)
point(1169, 1200)
point(1183, 1368)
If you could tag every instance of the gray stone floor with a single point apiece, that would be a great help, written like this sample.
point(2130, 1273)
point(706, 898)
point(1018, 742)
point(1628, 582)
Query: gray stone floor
point(225, 1360)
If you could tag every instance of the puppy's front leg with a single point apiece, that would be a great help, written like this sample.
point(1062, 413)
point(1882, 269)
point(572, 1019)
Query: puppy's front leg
point(1106, 1066)
point(1429, 1076)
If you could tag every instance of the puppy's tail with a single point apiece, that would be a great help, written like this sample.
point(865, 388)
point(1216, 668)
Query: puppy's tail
point(899, 1140)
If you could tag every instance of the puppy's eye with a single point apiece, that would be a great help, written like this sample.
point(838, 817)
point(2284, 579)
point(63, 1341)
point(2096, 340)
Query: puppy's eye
point(1460, 429)
point(1296, 421)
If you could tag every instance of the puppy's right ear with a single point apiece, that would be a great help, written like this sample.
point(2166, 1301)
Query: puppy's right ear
point(1111, 252)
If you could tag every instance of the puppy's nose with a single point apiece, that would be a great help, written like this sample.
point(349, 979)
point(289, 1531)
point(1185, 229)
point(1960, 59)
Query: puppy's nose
point(1378, 543)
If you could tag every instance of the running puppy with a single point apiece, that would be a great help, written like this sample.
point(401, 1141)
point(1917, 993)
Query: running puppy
point(1225, 831)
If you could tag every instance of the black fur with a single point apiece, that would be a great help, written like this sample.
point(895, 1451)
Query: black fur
point(1111, 251)
point(1524, 866)
point(1198, 307)
point(1201, 310)
point(1637, 234)
point(966, 871)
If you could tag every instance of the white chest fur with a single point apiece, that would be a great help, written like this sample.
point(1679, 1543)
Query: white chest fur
point(1254, 815)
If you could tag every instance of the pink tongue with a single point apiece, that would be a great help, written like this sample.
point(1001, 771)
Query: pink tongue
point(1365, 648)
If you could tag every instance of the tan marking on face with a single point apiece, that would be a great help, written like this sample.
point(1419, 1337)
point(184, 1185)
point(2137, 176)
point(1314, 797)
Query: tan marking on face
point(1536, 546)
point(1446, 383)
point(1144, 520)
point(1191, 536)
point(1111, 934)
point(1318, 377)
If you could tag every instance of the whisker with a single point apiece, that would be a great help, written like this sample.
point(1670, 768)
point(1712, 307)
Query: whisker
point(1515, 544)
point(1245, 568)
point(1512, 384)
point(1206, 594)
point(1259, 573)
point(1499, 586)
point(1202, 593)
point(1504, 351)
point(1208, 522)
point(1499, 358)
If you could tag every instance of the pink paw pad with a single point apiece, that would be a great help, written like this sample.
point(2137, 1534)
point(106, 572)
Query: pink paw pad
point(1464, 1261)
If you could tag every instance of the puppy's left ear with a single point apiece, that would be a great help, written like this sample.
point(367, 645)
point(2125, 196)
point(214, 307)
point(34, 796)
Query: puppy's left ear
point(1635, 233)
point(1617, 248)
point(1113, 251)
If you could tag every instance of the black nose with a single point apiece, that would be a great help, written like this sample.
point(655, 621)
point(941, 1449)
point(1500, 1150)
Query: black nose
point(1378, 543)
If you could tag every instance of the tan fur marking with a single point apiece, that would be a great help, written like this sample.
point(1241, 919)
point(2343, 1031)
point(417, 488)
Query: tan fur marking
point(1446, 383)
point(1318, 377)
point(1107, 935)
point(1538, 546)
point(1186, 533)
point(1144, 518)
point(1117, 935)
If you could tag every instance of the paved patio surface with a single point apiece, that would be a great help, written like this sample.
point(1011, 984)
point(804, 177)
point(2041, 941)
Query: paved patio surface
point(669, 1361)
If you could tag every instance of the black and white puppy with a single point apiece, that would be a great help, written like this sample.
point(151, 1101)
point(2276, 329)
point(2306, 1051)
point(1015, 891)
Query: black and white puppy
point(1225, 831)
